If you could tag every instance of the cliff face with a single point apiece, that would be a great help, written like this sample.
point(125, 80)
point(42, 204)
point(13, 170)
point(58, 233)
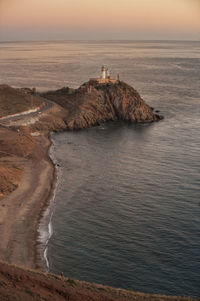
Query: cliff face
point(94, 103)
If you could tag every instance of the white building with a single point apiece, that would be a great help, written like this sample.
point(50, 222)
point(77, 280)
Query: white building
point(104, 71)
point(105, 77)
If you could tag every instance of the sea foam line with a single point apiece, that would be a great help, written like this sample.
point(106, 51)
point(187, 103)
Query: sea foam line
point(45, 227)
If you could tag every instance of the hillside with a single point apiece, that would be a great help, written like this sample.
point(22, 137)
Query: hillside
point(13, 146)
point(18, 284)
point(14, 101)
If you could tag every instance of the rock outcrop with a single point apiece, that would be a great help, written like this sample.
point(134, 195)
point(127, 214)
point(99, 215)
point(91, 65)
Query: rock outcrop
point(94, 103)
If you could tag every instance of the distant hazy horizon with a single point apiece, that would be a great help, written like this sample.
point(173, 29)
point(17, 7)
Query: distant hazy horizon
point(100, 40)
point(49, 20)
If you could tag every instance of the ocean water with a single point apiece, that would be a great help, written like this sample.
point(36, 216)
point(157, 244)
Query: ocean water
point(126, 211)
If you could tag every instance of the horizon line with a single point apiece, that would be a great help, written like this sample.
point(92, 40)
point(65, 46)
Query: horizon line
point(100, 40)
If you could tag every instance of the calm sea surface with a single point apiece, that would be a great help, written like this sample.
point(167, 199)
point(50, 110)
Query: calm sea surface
point(127, 204)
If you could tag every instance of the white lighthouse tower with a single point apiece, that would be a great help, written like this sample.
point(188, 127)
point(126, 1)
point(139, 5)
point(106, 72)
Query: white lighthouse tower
point(104, 72)
point(105, 76)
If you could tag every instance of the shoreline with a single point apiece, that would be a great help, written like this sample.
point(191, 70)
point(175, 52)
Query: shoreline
point(24, 208)
point(45, 228)
point(41, 248)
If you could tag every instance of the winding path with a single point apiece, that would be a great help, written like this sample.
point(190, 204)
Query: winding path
point(23, 115)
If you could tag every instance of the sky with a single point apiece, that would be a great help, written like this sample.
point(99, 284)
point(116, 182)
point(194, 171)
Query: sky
point(24, 20)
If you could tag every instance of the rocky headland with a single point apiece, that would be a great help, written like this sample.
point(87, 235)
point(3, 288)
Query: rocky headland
point(94, 103)
point(27, 179)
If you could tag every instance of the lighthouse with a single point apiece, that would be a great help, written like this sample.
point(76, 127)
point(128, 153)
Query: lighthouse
point(104, 71)
point(105, 77)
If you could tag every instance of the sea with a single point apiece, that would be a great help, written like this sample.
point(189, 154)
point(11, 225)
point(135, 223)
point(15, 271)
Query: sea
point(126, 209)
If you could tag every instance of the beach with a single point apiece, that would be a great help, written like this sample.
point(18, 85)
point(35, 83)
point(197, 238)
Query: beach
point(22, 210)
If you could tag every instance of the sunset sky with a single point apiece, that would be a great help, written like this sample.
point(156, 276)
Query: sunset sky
point(99, 19)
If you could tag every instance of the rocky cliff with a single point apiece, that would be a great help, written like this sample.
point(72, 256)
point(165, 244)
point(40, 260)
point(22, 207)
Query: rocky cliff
point(94, 103)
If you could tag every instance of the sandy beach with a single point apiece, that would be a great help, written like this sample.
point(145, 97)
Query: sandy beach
point(22, 210)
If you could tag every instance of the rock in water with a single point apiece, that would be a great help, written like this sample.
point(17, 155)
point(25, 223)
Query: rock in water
point(94, 103)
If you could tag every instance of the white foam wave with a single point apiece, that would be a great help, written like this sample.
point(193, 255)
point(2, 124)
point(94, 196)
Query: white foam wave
point(46, 228)
point(45, 257)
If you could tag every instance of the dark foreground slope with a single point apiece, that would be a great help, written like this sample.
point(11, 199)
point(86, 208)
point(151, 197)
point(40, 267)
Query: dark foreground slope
point(18, 284)
point(94, 103)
